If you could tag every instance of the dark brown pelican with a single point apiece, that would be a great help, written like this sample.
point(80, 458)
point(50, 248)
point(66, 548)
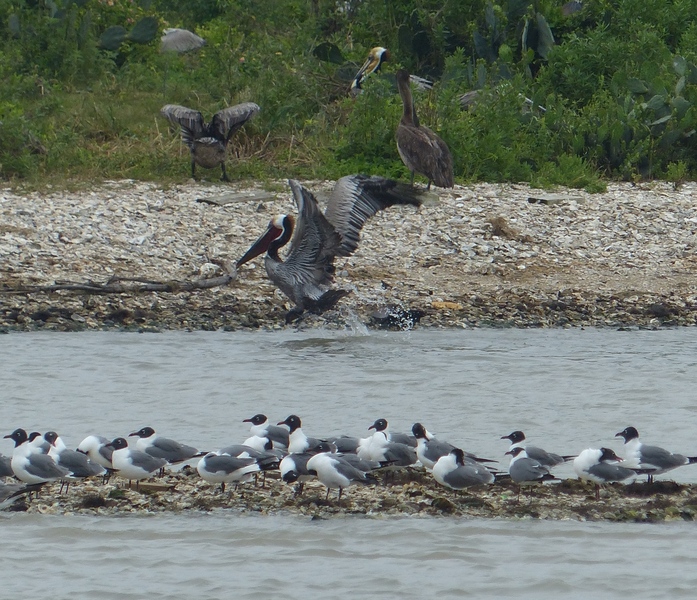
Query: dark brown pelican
point(376, 57)
point(422, 151)
point(208, 141)
point(307, 272)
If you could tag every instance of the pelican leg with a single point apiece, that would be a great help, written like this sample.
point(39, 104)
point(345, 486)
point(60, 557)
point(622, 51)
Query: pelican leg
point(412, 179)
point(193, 168)
point(294, 315)
point(326, 498)
point(224, 177)
point(428, 187)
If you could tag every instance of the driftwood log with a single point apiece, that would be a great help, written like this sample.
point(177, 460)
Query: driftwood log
point(130, 285)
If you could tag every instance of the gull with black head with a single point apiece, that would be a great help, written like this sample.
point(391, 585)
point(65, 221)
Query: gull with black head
point(657, 459)
point(546, 459)
point(454, 471)
point(132, 464)
point(171, 451)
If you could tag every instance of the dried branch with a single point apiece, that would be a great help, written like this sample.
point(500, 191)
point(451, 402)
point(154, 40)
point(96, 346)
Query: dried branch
point(131, 285)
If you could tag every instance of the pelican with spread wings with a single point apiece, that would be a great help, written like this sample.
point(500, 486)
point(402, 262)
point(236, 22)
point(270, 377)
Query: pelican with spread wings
point(306, 274)
point(208, 141)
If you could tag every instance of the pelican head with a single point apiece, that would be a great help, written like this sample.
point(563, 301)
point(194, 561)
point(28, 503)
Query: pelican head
point(373, 63)
point(276, 235)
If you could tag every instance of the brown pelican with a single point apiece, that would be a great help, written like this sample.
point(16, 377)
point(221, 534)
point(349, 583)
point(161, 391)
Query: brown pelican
point(376, 57)
point(421, 150)
point(208, 141)
point(307, 272)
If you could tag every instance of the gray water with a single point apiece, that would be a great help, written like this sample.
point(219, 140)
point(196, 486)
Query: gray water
point(567, 389)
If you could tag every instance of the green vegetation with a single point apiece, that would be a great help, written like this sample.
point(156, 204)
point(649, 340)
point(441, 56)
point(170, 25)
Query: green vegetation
point(565, 95)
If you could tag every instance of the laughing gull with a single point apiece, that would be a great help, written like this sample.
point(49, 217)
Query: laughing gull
point(596, 465)
point(429, 449)
point(159, 447)
point(293, 469)
point(133, 464)
point(266, 457)
point(546, 459)
point(334, 472)
point(642, 456)
point(298, 441)
point(525, 470)
point(223, 468)
point(258, 443)
point(31, 465)
point(37, 443)
point(260, 426)
point(398, 438)
point(345, 444)
point(453, 471)
point(97, 450)
point(77, 463)
point(380, 448)
point(362, 464)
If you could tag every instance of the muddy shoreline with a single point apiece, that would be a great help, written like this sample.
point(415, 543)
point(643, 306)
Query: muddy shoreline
point(412, 493)
point(476, 256)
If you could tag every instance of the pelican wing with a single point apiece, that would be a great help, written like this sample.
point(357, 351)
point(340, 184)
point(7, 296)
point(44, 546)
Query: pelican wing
point(309, 263)
point(227, 121)
point(190, 121)
point(356, 198)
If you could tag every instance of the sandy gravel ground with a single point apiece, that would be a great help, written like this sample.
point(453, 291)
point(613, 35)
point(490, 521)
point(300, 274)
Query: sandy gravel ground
point(480, 255)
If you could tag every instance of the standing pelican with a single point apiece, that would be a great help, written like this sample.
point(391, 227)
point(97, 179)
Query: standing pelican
point(307, 272)
point(376, 57)
point(421, 150)
point(208, 141)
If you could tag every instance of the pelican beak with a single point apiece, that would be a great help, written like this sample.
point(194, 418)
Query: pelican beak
point(273, 232)
point(375, 58)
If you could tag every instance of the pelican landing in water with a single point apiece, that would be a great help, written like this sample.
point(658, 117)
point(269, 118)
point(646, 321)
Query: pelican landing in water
point(422, 151)
point(306, 274)
point(208, 141)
